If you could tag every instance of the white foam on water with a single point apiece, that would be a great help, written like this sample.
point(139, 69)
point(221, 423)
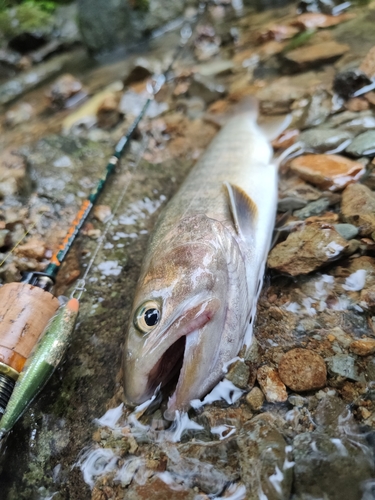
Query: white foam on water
point(110, 268)
point(356, 281)
point(128, 470)
point(236, 492)
point(97, 462)
point(276, 480)
point(307, 303)
point(225, 390)
point(333, 249)
point(293, 307)
point(340, 446)
point(181, 424)
point(168, 479)
point(262, 495)
point(221, 429)
point(110, 417)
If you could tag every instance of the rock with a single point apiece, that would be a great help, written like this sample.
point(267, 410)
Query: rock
point(131, 103)
point(14, 178)
point(238, 374)
point(278, 96)
point(314, 208)
point(358, 208)
point(348, 82)
point(255, 399)
point(264, 459)
point(368, 64)
point(286, 139)
point(5, 238)
point(290, 203)
point(206, 88)
point(278, 32)
point(33, 249)
point(357, 104)
point(347, 231)
point(63, 89)
point(215, 68)
point(363, 144)
point(302, 370)
point(306, 250)
point(330, 467)
point(318, 109)
point(368, 297)
point(344, 366)
point(311, 20)
point(156, 489)
point(271, 385)
point(20, 113)
point(315, 55)
point(320, 140)
point(332, 172)
point(107, 114)
point(142, 68)
point(363, 347)
point(102, 212)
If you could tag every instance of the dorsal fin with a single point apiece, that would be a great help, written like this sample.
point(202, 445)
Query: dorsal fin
point(244, 211)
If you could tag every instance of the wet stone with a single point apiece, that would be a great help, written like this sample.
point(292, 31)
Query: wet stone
point(347, 231)
point(363, 347)
point(314, 208)
point(302, 370)
point(344, 366)
point(320, 140)
point(332, 172)
point(271, 384)
point(314, 55)
point(348, 82)
point(290, 203)
point(156, 489)
point(363, 144)
point(306, 250)
point(358, 208)
point(238, 374)
point(206, 88)
point(255, 399)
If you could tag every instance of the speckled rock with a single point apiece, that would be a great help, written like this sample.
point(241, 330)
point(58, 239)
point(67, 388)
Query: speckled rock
point(255, 399)
point(363, 347)
point(332, 172)
point(363, 144)
point(271, 384)
point(306, 250)
point(302, 370)
point(358, 208)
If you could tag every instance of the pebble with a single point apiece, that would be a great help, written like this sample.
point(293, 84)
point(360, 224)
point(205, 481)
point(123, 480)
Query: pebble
point(347, 231)
point(102, 212)
point(363, 347)
point(363, 144)
point(314, 55)
point(290, 203)
point(310, 20)
point(321, 140)
point(344, 366)
point(307, 249)
point(206, 88)
point(255, 399)
point(368, 63)
point(271, 384)
point(215, 68)
point(33, 249)
point(62, 89)
point(107, 114)
point(358, 208)
point(314, 208)
point(332, 172)
point(4, 237)
point(20, 113)
point(238, 374)
point(347, 82)
point(303, 370)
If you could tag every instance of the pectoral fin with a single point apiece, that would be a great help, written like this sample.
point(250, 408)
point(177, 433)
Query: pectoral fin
point(244, 211)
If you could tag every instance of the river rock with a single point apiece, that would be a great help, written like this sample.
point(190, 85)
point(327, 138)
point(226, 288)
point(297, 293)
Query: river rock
point(306, 250)
point(320, 140)
point(363, 144)
point(264, 459)
point(33, 249)
point(314, 208)
point(108, 115)
point(363, 347)
point(302, 370)
point(344, 366)
point(20, 113)
point(206, 88)
point(315, 55)
point(358, 208)
point(63, 89)
point(156, 489)
point(332, 172)
point(255, 399)
point(290, 203)
point(347, 231)
point(14, 176)
point(271, 384)
point(239, 374)
point(368, 63)
point(347, 82)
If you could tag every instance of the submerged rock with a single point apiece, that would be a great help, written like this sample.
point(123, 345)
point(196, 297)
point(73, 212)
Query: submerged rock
point(358, 208)
point(255, 399)
point(347, 231)
point(302, 370)
point(271, 384)
point(321, 140)
point(363, 347)
point(314, 208)
point(315, 55)
point(363, 144)
point(307, 249)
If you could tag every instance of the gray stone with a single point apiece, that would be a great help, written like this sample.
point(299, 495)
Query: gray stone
point(238, 374)
point(206, 88)
point(345, 366)
point(290, 203)
point(347, 231)
point(314, 208)
point(4, 237)
point(215, 68)
point(320, 140)
point(363, 144)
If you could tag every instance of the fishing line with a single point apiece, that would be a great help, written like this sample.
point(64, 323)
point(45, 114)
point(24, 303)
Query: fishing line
point(18, 242)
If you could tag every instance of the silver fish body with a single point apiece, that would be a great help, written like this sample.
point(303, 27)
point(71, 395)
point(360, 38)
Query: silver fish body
point(196, 297)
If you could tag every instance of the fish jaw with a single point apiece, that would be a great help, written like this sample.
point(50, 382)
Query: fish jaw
point(159, 360)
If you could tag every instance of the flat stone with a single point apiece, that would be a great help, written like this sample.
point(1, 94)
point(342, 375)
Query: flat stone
point(302, 370)
point(156, 489)
point(290, 203)
point(33, 249)
point(255, 399)
point(368, 63)
point(314, 208)
point(321, 140)
point(314, 55)
point(347, 231)
point(344, 366)
point(358, 208)
point(332, 172)
point(310, 20)
point(102, 212)
point(306, 250)
point(206, 88)
point(215, 68)
point(238, 374)
point(363, 144)
point(271, 384)
point(363, 347)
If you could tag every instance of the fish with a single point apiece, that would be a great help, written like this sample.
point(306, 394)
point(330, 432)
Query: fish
point(195, 300)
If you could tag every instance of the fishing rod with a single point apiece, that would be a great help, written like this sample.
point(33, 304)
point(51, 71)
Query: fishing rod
point(35, 330)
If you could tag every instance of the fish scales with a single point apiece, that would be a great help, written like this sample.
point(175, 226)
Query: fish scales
point(202, 272)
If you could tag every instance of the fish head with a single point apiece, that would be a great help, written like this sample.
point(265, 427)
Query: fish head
point(176, 323)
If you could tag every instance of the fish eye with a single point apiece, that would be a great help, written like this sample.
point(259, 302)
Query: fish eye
point(147, 316)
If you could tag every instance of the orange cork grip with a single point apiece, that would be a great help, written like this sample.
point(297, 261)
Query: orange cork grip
point(25, 311)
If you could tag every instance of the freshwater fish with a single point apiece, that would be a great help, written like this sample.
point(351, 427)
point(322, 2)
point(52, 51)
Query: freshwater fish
point(196, 297)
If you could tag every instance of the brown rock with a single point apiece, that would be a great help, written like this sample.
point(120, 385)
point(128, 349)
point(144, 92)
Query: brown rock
point(303, 370)
point(278, 32)
point(33, 249)
point(370, 96)
point(286, 139)
point(317, 54)
point(306, 250)
point(156, 489)
point(102, 212)
point(358, 208)
point(332, 172)
point(62, 89)
point(13, 174)
point(357, 104)
point(368, 63)
point(108, 114)
point(255, 399)
point(271, 384)
point(368, 296)
point(310, 20)
point(363, 347)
